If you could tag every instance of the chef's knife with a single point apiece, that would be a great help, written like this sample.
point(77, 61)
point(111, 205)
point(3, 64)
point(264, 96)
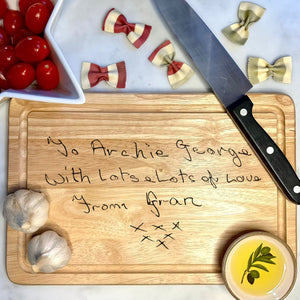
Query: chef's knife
point(230, 85)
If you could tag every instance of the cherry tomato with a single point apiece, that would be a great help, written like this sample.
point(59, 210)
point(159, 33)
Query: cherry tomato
point(13, 21)
point(3, 8)
point(36, 17)
point(20, 75)
point(3, 80)
point(32, 49)
point(24, 4)
point(4, 37)
point(19, 35)
point(7, 56)
point(47, 75)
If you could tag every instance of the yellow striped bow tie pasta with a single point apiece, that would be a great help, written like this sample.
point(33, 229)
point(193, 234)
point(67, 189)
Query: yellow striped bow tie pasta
point(248, 14)
point(259, 70)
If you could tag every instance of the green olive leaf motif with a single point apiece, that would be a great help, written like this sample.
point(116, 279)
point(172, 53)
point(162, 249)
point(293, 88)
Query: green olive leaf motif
point(259, 266)
point(257, 251)
point(262, 255)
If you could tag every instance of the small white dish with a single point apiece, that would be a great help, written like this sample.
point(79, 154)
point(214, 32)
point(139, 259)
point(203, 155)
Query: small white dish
point(69, 90)
point(259, 266)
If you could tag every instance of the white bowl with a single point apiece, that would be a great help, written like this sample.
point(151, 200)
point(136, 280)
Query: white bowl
point(272, 281)
point(69, 89)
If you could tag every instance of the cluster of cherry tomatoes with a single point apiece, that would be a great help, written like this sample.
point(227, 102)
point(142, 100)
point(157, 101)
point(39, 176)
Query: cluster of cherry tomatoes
point(24, 53)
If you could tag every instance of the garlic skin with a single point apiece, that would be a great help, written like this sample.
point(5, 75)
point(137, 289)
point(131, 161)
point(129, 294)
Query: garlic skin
point(48, 252)
point(26, 210)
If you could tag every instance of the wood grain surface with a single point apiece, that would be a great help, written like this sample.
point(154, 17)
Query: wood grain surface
point(147, 188)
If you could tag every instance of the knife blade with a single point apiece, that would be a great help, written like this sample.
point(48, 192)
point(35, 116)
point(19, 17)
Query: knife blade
point(230, 85)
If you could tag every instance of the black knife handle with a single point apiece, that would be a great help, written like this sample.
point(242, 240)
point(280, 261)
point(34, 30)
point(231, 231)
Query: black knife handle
point(272, 157)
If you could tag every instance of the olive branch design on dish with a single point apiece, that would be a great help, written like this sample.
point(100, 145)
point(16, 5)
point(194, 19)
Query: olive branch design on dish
point(259, 256)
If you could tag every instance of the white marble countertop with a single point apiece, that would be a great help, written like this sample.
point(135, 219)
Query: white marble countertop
point(277, 34)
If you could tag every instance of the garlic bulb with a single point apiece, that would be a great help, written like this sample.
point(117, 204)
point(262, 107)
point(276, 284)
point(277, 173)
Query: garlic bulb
point(48, 252)
point(26, 210)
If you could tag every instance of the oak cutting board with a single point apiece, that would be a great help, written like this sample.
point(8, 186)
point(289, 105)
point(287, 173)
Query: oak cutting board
point(147, 189)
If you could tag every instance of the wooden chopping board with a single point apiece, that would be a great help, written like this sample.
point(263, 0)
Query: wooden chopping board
point(147, 189)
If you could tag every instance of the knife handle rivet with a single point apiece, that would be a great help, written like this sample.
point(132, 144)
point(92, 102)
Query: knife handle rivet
point(270, 150)
point(243, 112)
point(296, 189)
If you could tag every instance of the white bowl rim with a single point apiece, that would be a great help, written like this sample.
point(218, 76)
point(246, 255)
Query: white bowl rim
point(258, 233)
